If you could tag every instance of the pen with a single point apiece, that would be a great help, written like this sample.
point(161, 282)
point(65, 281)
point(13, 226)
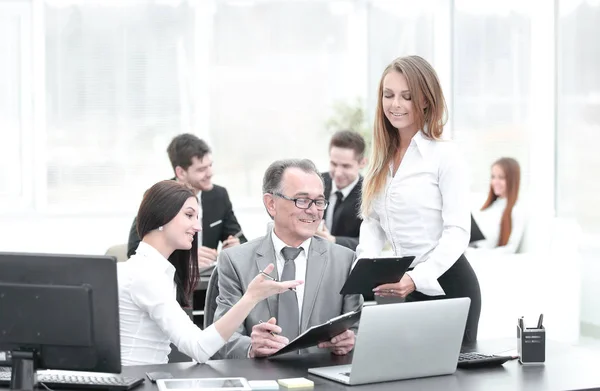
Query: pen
point(238, 235)
point(540, 320)
point(270, 332)
point(267, 276)
point(273, 279)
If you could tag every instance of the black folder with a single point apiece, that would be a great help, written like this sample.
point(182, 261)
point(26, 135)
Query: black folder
point(321, 333)
point(369, 273)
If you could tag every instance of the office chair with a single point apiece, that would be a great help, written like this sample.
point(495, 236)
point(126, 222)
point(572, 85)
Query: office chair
point(210, 304)
point(118, 251)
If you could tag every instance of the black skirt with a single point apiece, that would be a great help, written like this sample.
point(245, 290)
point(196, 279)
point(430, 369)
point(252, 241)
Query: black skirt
point(459, 281)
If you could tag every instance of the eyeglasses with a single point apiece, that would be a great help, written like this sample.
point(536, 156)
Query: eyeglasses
point(305, 203)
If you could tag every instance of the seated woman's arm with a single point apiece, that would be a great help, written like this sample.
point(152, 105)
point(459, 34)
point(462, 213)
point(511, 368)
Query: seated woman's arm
point(151, 295)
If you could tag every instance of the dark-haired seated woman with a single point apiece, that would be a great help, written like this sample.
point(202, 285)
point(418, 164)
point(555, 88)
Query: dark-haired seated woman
point(160, 278)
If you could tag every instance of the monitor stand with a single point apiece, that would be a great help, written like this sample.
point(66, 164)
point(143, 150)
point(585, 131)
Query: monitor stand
point(23, 375)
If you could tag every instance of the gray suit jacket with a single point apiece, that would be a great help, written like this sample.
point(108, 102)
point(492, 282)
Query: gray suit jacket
point(328, 266)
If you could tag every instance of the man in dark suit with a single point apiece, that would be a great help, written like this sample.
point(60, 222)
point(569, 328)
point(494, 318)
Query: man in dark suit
point(343, 185)
point(191, 159)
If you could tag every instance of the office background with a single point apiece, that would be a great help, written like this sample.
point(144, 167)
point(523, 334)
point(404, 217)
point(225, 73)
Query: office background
point(92, 91)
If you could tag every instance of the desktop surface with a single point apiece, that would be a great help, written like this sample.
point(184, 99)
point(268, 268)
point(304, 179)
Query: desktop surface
point(567, 368)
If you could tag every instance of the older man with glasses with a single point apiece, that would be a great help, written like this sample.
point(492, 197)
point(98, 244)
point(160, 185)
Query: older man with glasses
point(293, 197)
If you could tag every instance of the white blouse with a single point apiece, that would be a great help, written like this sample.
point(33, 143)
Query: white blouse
point(150, 316)
point(423, 211)
point(488, 221)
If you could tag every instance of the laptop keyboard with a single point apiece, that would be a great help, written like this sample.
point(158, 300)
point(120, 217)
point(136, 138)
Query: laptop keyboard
point(472, 360)
point(120, 383)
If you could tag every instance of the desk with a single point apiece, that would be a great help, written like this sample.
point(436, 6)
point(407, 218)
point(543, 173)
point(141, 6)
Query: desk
point(567, 368)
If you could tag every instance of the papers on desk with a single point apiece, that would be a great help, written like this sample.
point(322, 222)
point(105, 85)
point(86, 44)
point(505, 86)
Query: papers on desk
point(204, 384)
point(297, 382)
point(263, 384)
point(321, 333)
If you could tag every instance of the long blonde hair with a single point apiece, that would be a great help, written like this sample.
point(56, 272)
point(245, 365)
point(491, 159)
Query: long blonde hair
point(430, 111)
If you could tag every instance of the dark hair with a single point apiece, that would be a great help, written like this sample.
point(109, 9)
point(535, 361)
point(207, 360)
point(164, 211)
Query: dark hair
point(512, 175)
point(184, 147)
point(274, 174)
point(161, 203)
point(349, 139)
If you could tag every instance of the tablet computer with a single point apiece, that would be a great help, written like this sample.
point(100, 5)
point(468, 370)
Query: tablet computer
point(369, 273)
point(212, 384)
point(321, 333)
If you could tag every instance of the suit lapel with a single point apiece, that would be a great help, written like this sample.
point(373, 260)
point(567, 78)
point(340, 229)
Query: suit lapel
point(265, 254)
point(207, 218)
point(316, 263)
point(327, 181)
point(347, 207)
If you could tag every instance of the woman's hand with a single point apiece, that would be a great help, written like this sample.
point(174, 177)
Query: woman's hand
point(263, 286)
point(401, 288)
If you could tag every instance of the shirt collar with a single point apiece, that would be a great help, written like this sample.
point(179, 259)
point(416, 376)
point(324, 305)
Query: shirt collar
point(422, 142)
point(155, 259)
point(346, 190)
point(279, 244)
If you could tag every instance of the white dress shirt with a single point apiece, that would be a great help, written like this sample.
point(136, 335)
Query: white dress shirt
point(423, 211)
point(489, 220)
point(151, 318)
point(300, 262)
point(333, 200)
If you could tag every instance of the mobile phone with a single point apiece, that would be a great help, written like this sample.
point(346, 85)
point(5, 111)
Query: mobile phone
point(154, 376)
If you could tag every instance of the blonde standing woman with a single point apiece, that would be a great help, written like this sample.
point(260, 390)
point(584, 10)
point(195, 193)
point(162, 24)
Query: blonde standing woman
point(416, 191)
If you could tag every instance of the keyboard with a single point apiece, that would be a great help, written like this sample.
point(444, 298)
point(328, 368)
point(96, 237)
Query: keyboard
point(116, 383)
point(478, 360)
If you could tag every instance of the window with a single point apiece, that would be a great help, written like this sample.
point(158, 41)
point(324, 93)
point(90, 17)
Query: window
point(15, 106)
point(276, 68)
point(491, 87)
point(119, 85)
point(579, 114)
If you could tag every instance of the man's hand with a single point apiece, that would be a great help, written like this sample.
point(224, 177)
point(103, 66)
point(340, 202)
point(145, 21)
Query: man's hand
point(206, 257)
point(325, 234)
point(264, 339)
point(230, 242)
point(341, 344)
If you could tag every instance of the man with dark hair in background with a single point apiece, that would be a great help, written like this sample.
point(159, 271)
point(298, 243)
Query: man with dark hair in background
point(192, 162)
point(343, 185)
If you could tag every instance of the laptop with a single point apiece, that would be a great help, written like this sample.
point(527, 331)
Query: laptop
point(404, 341)
point(476, 234)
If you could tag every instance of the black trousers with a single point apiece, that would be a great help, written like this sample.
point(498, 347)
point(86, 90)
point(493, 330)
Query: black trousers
point(459, 281)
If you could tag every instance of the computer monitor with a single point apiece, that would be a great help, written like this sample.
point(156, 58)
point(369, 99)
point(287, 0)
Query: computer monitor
point(58, 312)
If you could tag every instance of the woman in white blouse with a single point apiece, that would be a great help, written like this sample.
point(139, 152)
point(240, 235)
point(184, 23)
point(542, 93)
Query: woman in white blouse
point(161, 277)
point(415, 193)
point(501, 219)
